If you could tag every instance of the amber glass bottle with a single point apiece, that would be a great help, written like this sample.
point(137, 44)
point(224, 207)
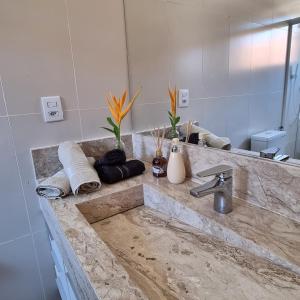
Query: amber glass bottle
point(159, 165)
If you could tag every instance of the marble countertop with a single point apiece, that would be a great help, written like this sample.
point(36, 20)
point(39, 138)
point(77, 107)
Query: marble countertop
point(259, 250)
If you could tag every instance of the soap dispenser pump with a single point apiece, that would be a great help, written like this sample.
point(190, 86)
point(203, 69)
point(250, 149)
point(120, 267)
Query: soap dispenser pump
point(176, 168)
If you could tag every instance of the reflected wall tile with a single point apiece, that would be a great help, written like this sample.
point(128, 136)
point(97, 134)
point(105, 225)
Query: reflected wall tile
point(13, 213)
point(261, 60)
point(19, 271)
point(30, 66)
point(237, 121)
point(214, 115)
point(240, 52)
point(148, 116)
point(149, 61)
point(259, 11)
point(2, 103)
point(186, 56)
point(285, 10)
point(278, 57)
point(265, 112)
point(29, 131)
point(99, 47)
point(217, 6)
point(215, 56)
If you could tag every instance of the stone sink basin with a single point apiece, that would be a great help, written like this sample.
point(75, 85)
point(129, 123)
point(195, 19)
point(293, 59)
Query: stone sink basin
point(172, 250)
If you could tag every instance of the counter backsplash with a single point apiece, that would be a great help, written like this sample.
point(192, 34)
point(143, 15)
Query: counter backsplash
point(273, 186)
point(46, 162)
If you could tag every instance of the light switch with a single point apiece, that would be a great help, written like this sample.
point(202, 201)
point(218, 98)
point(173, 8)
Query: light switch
point(183, 98)
point(52, 109)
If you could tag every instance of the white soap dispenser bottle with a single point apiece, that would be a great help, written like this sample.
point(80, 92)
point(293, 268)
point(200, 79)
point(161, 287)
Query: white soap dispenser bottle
point(176, 168)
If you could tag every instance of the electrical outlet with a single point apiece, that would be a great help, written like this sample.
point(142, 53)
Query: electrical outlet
point(52, 109)
point(183, 98)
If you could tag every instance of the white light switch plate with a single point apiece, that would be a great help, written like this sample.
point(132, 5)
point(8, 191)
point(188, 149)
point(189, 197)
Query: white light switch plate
point(52, 109)
point(183, 98)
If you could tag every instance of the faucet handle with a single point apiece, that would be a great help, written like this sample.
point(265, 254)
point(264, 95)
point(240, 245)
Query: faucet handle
point(221, 170)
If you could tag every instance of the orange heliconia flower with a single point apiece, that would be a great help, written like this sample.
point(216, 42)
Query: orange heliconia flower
point(115, 106)
point(173, 99)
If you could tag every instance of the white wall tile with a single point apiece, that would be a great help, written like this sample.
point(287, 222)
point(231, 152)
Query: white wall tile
point(19, 279)
point(13, 213)
point(99, 47)
point(30, 131)
point(35, 57)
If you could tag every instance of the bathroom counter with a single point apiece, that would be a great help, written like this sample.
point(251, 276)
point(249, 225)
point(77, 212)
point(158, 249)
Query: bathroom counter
point(145, 238)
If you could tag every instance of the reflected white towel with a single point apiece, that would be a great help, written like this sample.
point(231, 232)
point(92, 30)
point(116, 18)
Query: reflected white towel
point(211, 139)
point(82, 176)
point(54, 187)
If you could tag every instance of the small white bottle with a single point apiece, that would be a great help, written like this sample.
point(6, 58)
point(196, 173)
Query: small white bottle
point(176, 168)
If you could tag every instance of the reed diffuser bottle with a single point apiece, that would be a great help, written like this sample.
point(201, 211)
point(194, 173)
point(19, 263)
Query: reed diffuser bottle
point(159, 163)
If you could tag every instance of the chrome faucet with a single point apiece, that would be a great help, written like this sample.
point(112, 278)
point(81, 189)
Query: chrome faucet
point(221, 186)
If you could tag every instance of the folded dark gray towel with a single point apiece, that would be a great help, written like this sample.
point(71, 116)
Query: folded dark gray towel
point(113, 174)
point(113, 157)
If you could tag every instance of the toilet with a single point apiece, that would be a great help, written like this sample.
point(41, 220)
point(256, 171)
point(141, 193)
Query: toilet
point(268, 139)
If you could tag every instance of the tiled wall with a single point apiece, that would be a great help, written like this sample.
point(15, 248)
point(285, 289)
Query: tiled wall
point(75, 49)
point(228, 53)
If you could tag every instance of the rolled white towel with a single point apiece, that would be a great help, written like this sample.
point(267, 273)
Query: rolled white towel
point(58, 185)
point(82, 176)
point(54, 187)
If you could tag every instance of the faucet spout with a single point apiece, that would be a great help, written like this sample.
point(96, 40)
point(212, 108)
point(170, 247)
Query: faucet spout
point(206, 188)
point(220, 186)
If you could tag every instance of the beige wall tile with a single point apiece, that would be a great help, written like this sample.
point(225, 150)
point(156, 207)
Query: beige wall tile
point(92, 120)
point(35, 57)
point(13, 212)
point(2, 103)
point(19, 272)
point(99, 46)
point(30, 131)
point(42, 244)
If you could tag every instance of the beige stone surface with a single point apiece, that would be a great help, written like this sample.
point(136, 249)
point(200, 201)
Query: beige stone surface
point(271, 185)
point(170, 260)
point(98, 273)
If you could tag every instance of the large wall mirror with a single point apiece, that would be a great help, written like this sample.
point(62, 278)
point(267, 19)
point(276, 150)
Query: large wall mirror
point(239, 59)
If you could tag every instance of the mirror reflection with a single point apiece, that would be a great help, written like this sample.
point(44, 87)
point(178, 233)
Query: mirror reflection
point(235, 65)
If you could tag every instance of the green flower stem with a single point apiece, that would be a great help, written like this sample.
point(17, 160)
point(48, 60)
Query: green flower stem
point(118, 136)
